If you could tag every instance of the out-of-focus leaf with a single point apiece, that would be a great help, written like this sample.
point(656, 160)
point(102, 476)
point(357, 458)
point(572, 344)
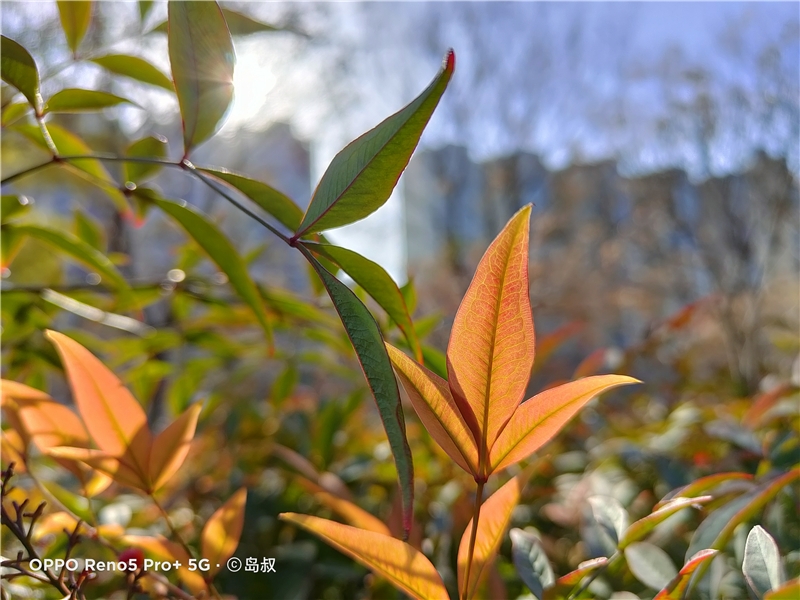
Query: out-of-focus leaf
point(591, 364)
point(645, 525)
point(531, 562)
point(13, 205)
point(75, 100)
point(275, 203)
point(171, 446)
point(763, 402)
point(365, 335)
point(574, 577)
point(762, 567)
point(221, 251)
point(13, 113)
point(240, 24)
point(608, 519)
point(377, 283)
point(222, 531)
point(87, 230)
point(284, 383)
point(76, 15)
point(76, 248)
point(543, 416)
point(547, 344)
point(162, 549)
point(152, 146)
point(122, 471)
point(404, 566)
point(18, 68)
point(676, 588)
point(144, 8)
point(362, 176)
point(650, 564)
point(705, 484)
point(135, 68)
point(350, 512)
point(789, 591)
point(202, 59)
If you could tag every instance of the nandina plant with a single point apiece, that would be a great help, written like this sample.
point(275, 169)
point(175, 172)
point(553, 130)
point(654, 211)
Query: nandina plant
point(478, 418)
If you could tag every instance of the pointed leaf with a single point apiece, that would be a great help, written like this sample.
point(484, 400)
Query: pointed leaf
point(171, 446)
point(531, 562)
point(349, 511)
point(361, 177)
point(705, 484)
point(221, 251)
point(677, 587)
point(543, 416)
point(365, 335)
point(404, 566)
point(153, 146)
point(163, 549)
point(74, 100)
point(240, 24)
point(135, 68)
point(88, 230)
point(650, 564)
point(610, 518)
point(222, 531)
point(789, 591)
point(437, 410)
point(490, 354)
point(113, 417)
point(495, 515)
point(591, 364)
point(762, 567)
point(18, 68)
point(11, 205)
point(202, 59)
point(75, 18)
point(49, 424)
point(645, 525)
point(271, 200)
point(120, 469)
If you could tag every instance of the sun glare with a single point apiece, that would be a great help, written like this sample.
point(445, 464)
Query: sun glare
point(252, 82)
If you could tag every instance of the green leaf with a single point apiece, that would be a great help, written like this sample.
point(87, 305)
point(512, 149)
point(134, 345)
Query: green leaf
point(144, 9)
point(275, 203)
point(609, 520)
point(645, 525)
point(650, 564)
point(88, 230)
point(202, 59)
point(18, 68)
point(240, 24)
point(531, 562)
point(153, 146)
point(13, 205)
point(14, 112)
point(365, 335)
point(75, 18)
point(75, 100)
point(362, 176)
point(762, 566)
point(135, 68)
point(377, 283)
point(76, 248)
point(220, 250)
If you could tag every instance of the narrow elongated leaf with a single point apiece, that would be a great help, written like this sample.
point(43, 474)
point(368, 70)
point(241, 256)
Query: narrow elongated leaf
point(171, 446)
point(365, 335)
point(645, 525)
point(490, 354)
point(361, 177)
point(113, 417)
point(136, 68)
point(222, 531)
point(676, 588)
point(404, 566)
point(121, 470)
point(78, 249)
point(240, 24)
point(377, 283)
point(531, 562)
point(434, 404)
point(543, 416)
point(18, 68)
point(163, 549)
point(74, 100)
point(221, 251)
point(76, 15)
point(650, 564)
point(202, 59)
point(271, 200)
point(706, 484)
point(762, 566)
point(493, 521)
point(152, 146)
point(350, 512)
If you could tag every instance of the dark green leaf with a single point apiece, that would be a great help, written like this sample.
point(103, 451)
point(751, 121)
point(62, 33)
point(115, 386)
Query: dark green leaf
point(75, 100)
point(153, 146)
point(762, 566)
point(531, 562)
point(13, 205)
point(135, 68)
point(144, 8)
point(365, 335)
point(19, 69)
point(650, 564)
point(75, 18)
point(271, 200)
point(377, 283)
point(410, 296)
point(362, 176)
point(202, 59)
point(88, 230)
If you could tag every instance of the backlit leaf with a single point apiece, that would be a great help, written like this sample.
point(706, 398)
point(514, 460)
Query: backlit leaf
point(676, 588)
point(788, 591)
point(74, 100)
point(543, 416)
point(531, 562)
point(350, 512)
point(762, 567)
point(650, 564)
point(609, 518)
point(706, 484)
point(404, 566)
point(11, 205)
point(88, 230)
point(136, 68)
point(171, 446)
point(121, 469)
point(222, 531)
point(645, 525)
point(162, 549)
point(18, 68)
point(75, 18)
point(574, 577)
point(202, 59)
point(361, 177)
point(152, 146)
point(240, 24)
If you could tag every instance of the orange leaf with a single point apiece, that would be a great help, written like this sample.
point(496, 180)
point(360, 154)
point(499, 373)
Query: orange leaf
point(350, 512)
point(222, 532)
point(10, 390)
point(433, 402)
point(171, 446)
point(544, 415)
point(405, 567)
point(162, 549)
point(115, 420)
point(591, 364)
point(117, 468)
point(49, 424)
point(677, 587)
point(493, 520)
point(490, 354)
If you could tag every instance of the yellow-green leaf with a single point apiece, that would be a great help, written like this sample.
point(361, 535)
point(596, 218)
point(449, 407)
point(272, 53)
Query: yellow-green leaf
point(75, 100)
point(150, 147)
point(350, 512)
point(18, 68)
point(222, 531)
point(136, 68)
point(76, 15)
point(171, 446)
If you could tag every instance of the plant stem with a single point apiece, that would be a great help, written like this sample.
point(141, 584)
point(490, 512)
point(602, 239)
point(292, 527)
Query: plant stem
point(476, 513)
point(172, 529)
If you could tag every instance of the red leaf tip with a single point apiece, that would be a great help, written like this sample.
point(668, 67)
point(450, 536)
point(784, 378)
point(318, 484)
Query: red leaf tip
point(450, 61)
